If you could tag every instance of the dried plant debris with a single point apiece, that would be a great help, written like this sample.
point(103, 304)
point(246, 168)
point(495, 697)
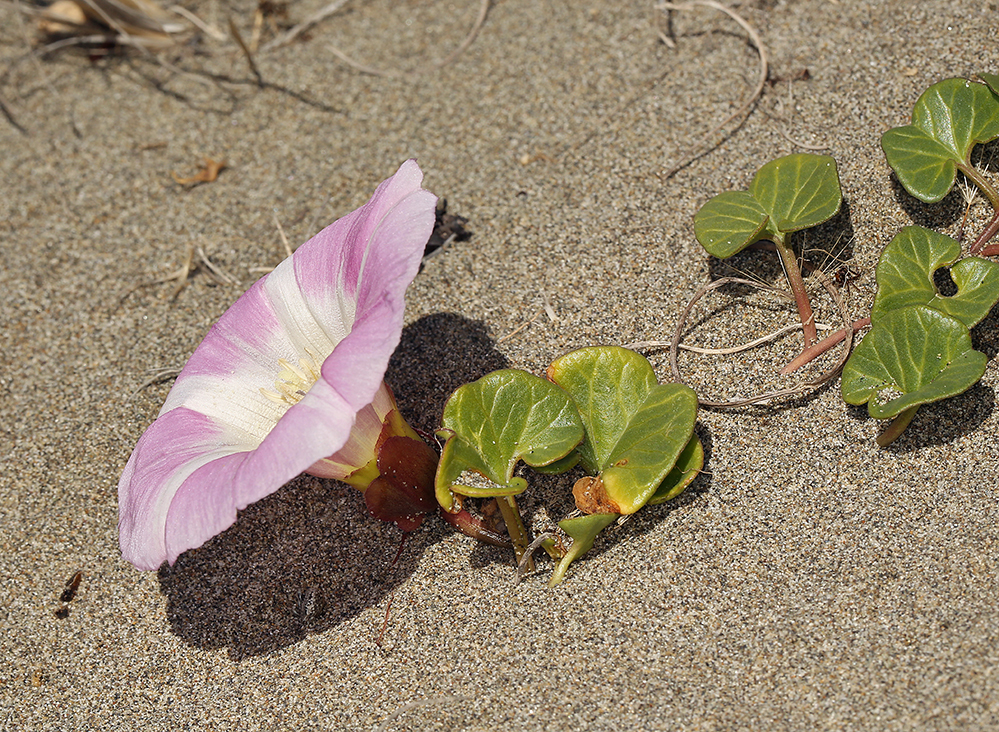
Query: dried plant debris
point(208, 173)
point(190, 266)
point(179, 278)
point(68, 595)
point(447, 228)
point(140, 23)
point(157, 375)
point(274, 14)
point(803, 75)
point(39, 676)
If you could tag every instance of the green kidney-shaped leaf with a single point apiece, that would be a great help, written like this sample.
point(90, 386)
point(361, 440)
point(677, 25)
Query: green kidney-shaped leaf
point(561, 465)
point(798, 191)
point(687, 467)
point(492, 423)
point(948, 120)
point(787, 194)
point(729, 222)
point(636, 428)
point(925, 167)
point(992, 80)
point(905, 277)
point(912, 356)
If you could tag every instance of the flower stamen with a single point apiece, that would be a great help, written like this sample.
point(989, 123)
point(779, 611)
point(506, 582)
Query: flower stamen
point(293, 382)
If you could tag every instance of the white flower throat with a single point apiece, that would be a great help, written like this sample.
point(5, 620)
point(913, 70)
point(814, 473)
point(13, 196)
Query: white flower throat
point(293, 382)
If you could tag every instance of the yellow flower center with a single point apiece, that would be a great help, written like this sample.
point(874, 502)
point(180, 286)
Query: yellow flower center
point(293, 382)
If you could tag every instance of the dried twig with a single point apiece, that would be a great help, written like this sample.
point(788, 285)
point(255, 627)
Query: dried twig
point(801, 388)
point(364, 68)
point(161, 373)
point(284, 240)
point(197, 22)
point(727, 351)
point(181, 274)
point(510, 335)
point(5, 111)
point(214, 271)
point(528, 554)
point(293, 33)
point(139, 23)
point(694, 151)
point(549, 310)
point(238, 37)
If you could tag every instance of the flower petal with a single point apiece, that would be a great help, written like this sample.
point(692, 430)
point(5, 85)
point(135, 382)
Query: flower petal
point(363, 441)
point(219, 443)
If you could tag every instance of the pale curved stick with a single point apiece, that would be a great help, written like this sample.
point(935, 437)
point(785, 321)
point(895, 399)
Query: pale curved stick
point(364, 68)
point(766, 396)
point(764, 71)
point(727, 351)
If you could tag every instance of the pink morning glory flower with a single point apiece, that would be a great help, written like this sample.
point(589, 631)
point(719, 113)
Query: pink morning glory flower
point(289, 380)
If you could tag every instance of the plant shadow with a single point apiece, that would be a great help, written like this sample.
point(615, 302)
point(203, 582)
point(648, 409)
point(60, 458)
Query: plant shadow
point(830, 244)
point(825, 247)
point(309, 557)
point(437, 354)
point(300, 561)
point(940, 215)
point(941, 423)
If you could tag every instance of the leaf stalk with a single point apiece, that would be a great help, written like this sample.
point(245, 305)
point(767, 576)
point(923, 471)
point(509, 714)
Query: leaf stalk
point(794, 279)
point(990, 192)
point(515, 528)
point(814, 351)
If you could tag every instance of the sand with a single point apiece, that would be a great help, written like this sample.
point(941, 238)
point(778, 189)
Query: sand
point(808, 580)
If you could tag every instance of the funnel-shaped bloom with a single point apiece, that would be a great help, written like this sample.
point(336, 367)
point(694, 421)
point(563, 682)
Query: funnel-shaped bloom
point(289, 379)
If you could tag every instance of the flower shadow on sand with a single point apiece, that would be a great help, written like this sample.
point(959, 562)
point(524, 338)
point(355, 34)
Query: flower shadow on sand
point(309, 557)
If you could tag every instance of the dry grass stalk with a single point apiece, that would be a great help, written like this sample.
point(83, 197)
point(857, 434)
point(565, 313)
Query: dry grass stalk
point(742, 112)
point(156, 375)
point(802, 387)
point(389, 73)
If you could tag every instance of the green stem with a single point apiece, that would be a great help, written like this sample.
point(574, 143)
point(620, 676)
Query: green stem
point(515, 528)
point(897, 427)
point(797, 284)
point(972, 174)
point(583, 531)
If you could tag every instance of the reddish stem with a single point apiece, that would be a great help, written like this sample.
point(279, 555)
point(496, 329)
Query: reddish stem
point(813, 352)
point(467, 524)
point(793, 273)
point(990, 231)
